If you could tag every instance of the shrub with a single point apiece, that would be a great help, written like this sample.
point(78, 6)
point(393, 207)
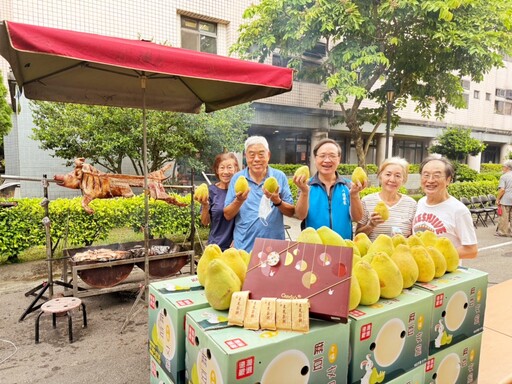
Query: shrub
point(414, 168)
point(488, 167)
point(469, 189)
point(371, 190)
point(491, 176)
point(347, 169)
point(288, 169)
point(464, 173)
point(21, 226)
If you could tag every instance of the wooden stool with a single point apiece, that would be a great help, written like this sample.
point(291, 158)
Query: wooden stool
point(59, 306)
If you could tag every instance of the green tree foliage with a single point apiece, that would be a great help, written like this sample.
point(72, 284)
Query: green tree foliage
point(421, 48)
point(107, 135)
point(456, 144)
point(5, 112)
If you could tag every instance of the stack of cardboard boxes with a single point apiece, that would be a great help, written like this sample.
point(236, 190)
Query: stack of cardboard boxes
point(431, 333)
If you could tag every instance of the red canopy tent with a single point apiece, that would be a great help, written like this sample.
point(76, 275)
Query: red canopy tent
point(75, 67)
point(60, 65)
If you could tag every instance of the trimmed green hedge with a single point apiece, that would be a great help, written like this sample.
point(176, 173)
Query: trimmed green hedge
point(487, 167)
point(475, 188)
point(21, 226)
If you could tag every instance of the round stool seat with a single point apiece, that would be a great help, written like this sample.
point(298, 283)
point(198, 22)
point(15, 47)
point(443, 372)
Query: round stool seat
point(61, 305)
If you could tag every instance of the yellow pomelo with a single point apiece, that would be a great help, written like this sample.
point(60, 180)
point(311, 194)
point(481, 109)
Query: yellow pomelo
point(309, 235)
point(303, 171)
point(241, 184)
point(359, 175)
point(212, 251)
point(329, 237)
point(426, 266)
point(382, 209)
point(271, 184)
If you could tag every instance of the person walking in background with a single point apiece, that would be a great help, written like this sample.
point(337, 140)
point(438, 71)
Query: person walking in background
point(442, 213)
point(327, 199)
point(257, 212)
point(504, 198)
point(225, 166)
point(392, 174)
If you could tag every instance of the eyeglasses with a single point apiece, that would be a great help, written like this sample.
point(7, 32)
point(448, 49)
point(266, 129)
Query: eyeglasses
point(433, 176)
point(228, 168)
point(252, 155)
point(325, 156)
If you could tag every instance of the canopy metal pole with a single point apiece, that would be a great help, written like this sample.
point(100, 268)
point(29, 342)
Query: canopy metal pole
point(146, 191)
point(144, 290)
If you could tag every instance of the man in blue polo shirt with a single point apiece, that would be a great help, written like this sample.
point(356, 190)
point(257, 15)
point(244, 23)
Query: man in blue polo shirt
point(254, 216)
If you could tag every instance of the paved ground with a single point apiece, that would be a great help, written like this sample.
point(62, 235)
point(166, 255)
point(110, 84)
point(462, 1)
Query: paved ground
point(101, 353)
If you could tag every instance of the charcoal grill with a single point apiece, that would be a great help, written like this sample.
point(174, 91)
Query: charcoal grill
point(165, 259)
point(102, 273)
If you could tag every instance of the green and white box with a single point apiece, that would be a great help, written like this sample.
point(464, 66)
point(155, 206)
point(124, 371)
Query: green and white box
point(223, 355)
point(457, 364)
point(157, 374)
point(169, 302)
point(458, 307)
point(414, 376)
point(389, 338)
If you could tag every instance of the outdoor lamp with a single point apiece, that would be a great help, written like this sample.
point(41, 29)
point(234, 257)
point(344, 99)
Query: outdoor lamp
point(390, 94)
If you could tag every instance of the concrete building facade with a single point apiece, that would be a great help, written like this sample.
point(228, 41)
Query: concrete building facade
point(292, 122)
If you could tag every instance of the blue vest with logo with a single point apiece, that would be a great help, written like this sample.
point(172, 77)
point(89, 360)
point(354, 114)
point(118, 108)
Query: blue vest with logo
point(330, 211)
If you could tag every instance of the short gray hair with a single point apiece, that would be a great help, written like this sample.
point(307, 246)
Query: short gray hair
point(508, 164)
point(253, 140)
point(395, 161)
point(449, 170)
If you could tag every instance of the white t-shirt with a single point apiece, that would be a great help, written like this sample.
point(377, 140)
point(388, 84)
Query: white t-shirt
point(400, 216)
point(450, 219)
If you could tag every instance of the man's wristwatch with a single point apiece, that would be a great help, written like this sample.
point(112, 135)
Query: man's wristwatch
point(278, 204)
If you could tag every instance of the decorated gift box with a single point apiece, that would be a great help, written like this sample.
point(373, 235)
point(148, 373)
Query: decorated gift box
point(218, 354)
point(458, 308)
point(457, 364)
point(169, 301)
point(390, 337)
point(290, 270)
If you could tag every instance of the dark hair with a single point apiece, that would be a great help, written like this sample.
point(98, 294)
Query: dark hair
point(449, 170)
point(220, 158)
point(326, 141)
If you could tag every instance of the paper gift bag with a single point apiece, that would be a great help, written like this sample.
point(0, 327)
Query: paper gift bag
point(290, 270)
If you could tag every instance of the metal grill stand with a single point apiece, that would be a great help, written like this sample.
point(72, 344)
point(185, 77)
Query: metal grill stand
point(45, 285)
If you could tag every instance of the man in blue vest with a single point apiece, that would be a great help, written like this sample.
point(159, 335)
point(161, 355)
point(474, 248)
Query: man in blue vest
point(327, 199)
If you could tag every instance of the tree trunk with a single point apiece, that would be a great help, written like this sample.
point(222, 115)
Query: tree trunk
point(356, 134)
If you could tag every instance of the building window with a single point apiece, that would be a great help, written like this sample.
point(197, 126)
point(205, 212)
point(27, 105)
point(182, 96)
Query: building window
point(488, 96)
point(476, 94)
point(491, 154)
point(465, 84)
point(412, 151)
point(502, 107)
point(465, 96)
point(198, 35)
point(500, 92)
point(297, 150)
